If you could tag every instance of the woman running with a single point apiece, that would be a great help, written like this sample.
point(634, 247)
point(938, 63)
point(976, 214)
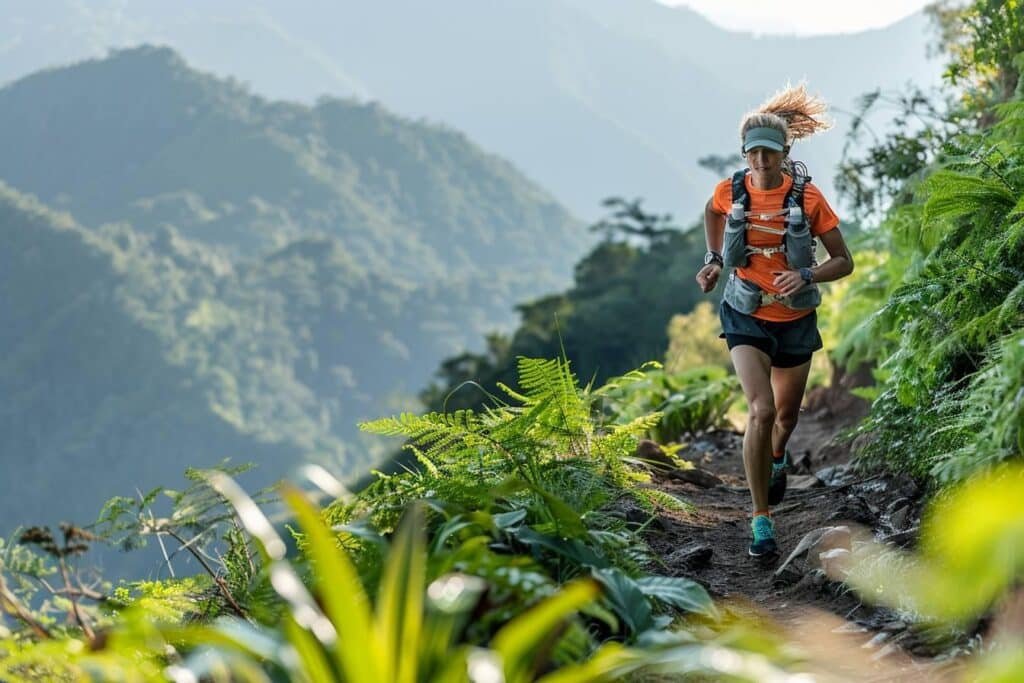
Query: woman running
point(762, 222)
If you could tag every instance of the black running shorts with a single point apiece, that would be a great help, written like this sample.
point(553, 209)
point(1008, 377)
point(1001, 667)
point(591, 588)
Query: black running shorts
point(788, 344)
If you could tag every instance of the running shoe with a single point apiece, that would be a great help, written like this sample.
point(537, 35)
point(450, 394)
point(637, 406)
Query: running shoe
point(764, 537)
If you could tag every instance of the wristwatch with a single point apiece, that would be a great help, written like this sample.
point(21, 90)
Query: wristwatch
point(807, 274)
point(713, 257)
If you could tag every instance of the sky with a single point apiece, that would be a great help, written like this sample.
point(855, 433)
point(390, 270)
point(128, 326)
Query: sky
point(802, 17)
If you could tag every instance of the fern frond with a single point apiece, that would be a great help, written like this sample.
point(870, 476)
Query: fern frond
point(951, 195)
point(653, 499)
point(422, 458)
point(513, 394)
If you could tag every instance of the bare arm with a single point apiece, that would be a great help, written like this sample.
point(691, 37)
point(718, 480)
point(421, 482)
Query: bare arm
point(714, 234)
point(714, 227)
point(838, 265)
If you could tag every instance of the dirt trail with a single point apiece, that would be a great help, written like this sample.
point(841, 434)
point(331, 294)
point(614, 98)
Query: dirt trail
point(842, 638)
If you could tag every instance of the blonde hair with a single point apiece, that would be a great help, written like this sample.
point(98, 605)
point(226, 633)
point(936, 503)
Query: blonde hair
point(792, 111)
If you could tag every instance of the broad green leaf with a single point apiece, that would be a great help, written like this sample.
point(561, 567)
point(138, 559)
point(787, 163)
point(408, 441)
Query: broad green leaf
point(679, 592)
point(521, 637)
point(314, 665)
point(569, 523)
point(507, 520)
point(399, 622)
point(975, 539)
point(578, 552)
point(610, 663)
point(341, 591)
point(626, 597)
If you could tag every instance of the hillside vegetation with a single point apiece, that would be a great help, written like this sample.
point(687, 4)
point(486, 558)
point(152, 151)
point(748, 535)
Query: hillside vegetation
point(515, 550)
point(238, 278)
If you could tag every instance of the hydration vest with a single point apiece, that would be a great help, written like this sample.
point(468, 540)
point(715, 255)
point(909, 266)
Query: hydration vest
point(797, 245)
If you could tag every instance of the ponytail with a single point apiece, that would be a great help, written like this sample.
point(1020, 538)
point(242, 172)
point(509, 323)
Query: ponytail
point(792, 111)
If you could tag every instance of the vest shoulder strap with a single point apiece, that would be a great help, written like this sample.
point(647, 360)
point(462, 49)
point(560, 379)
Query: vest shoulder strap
point(795, 196)
point(739, 189)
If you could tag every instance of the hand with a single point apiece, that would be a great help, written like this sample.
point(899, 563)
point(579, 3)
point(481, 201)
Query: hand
point(788, 282)
point(707, 277)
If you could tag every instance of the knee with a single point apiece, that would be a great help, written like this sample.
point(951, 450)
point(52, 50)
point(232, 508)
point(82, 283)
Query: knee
point(786, 419)
point(762, 412)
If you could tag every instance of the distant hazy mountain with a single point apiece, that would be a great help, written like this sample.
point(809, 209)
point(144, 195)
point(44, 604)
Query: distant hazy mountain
point(140, 136)
point(589, 97)
point(236, 277)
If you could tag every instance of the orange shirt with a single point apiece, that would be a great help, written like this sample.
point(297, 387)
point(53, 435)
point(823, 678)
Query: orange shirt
point(760, 268)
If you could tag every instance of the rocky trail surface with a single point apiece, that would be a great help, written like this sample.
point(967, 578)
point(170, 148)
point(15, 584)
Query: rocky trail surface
point(800, 593)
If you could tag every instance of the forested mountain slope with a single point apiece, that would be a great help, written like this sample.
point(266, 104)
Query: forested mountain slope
point(589, 97)
point(237, 278)
point(140, 136)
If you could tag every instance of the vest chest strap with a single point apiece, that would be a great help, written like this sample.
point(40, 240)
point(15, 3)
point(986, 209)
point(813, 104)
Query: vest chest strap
point(766, 216)
point(765, 228)
point(766, 251)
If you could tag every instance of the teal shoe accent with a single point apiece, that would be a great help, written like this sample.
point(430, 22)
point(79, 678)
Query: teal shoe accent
point(764, 537)
point(777, 483)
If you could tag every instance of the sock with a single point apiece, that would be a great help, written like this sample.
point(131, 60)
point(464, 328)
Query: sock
point(762, 513)
point(779, 455)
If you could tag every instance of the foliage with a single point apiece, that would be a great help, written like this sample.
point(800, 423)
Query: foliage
point(245, 277)
point(939, 308)
point(613, 319)
point(876, 176)
point(967, 571)
point(686, 402)
point(501, 552)
point(693, 340)
point(983, 40)
point(199, 524)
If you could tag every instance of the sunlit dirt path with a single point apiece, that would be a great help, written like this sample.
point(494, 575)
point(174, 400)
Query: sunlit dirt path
point(842, 638)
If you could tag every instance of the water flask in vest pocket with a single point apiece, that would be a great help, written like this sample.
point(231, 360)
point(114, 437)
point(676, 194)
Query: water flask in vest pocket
point(798, 240)
point(808, 297)
point(743, 296)
point(734, 248)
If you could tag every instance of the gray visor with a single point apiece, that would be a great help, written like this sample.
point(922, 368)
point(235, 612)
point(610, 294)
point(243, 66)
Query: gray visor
point(764, 137)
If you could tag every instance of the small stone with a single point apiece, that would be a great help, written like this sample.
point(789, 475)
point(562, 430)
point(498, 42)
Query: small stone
point(803, 481)
point(654, 455)
point(839, 537)
point(805, 544)
point(703, 446)
point(836, 562)
point(853, 509)
point(696, 476)
point(834, 537)
point(876, 640)
point(836, 475)
point(692, 557)
point(900, 518)
point(907, 486)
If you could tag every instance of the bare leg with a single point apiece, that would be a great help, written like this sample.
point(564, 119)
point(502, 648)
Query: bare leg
point(788, 386)
point(753, 367)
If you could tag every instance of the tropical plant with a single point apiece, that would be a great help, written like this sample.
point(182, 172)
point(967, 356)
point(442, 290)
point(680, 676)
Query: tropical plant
point(685, 402)
point(966, 575)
